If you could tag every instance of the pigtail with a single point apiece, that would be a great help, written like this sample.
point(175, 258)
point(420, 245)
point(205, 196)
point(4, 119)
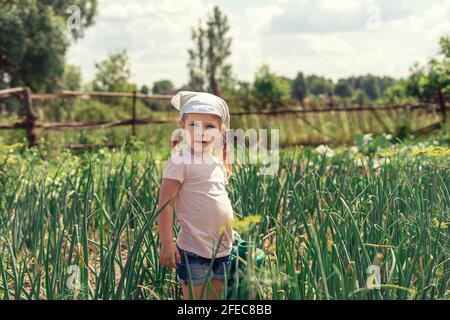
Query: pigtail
point(175, 143)
point(225, 158)
point(176, 139)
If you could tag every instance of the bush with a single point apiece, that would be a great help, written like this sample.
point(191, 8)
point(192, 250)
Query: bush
point(93, 110)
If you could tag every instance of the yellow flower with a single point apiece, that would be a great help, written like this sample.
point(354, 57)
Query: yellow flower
point(440, 224)
point(330, 244)
point(431, 152)
point(246, 223)
point(387, 153)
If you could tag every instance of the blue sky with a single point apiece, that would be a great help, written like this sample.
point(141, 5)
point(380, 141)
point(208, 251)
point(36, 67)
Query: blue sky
point(335, 38)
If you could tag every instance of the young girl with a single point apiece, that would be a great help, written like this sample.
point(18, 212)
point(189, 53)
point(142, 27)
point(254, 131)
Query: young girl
point(194, 183)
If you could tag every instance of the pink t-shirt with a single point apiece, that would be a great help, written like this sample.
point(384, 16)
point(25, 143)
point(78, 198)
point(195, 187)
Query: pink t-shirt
point(203, 208)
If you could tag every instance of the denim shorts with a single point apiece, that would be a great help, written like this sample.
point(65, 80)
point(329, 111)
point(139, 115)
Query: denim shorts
point(200, 268)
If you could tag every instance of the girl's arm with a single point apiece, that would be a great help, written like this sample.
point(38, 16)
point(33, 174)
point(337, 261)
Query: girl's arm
point(169, 252)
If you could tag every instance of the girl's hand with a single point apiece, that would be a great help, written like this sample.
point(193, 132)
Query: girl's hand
point(169, 254)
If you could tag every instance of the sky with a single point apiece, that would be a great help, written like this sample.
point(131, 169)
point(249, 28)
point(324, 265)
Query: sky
point(333, 38)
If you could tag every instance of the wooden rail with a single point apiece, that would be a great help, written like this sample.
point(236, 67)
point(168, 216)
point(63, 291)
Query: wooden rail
point(346, 109)
point(30, 123)
point(73, 94)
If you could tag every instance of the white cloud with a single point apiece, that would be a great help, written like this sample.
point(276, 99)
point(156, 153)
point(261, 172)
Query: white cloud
point(338, 48)
point(339, 6)
point(328, 37)
point(155, 33)
point(324, 16)
point(259, 18)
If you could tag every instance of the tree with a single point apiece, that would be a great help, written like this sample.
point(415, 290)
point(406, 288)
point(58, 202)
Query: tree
point(208, 69)
point(269, 88)
point(163, 87)
point(370, 86)
point(343, 89)
point(319, 85)
point(439, 69)
point(360, 97)
point(144, 89)
point(237, 89)
point(113, 74)
point(71, 79)
point(33, 41)
point(413, 87)
point(385, 83)
point(87, 10)
point(396, 93)
point(299, 90)
point(424, 82)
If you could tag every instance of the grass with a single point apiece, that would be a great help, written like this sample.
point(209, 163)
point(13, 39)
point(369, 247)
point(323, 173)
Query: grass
point(321, 222)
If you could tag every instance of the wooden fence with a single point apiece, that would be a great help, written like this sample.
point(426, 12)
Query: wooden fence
point(30, 122)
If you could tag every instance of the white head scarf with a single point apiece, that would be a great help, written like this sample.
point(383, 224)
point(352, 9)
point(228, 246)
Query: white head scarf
point(201, 102)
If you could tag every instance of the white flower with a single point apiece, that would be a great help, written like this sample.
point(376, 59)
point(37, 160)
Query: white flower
point(367, 137)
point(377, 163)
point(354, 149)
point(324, 149)
point(264, 158)
point(388, 136)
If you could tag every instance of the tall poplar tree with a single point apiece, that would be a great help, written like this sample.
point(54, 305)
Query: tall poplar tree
point(208, 67)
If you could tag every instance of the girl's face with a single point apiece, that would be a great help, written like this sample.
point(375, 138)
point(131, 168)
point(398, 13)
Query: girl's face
point(202, 129)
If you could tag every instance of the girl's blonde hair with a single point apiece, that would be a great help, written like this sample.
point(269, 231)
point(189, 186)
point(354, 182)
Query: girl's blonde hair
point(226, 163)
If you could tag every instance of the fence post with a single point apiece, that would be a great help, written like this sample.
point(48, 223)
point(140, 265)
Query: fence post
point(30, 118)
point(331, 100)
point(134, 114)
point(442, 104)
